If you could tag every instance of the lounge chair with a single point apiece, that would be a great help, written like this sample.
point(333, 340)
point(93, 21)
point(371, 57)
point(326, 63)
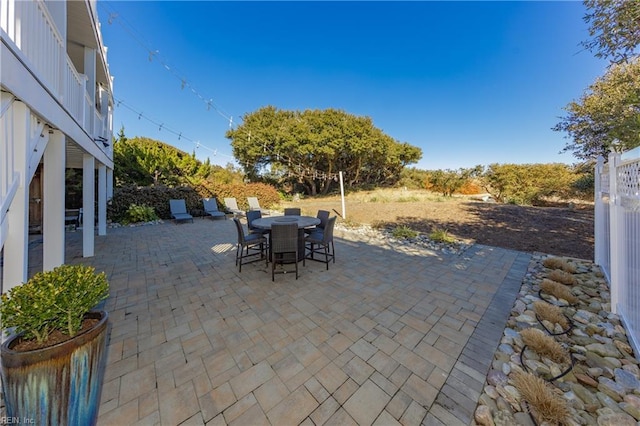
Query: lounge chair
point(232, 205)
point(254, 204)
point(179, 211)
point(211, 208)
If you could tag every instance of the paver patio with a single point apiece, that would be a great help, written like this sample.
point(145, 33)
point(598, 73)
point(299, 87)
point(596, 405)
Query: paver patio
point(385, 336)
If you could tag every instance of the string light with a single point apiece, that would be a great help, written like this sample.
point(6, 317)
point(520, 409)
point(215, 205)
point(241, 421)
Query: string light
point(162, 126)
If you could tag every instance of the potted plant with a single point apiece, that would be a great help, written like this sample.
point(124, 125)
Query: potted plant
point(53, 363)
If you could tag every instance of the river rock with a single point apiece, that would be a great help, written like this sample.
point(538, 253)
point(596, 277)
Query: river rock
point(604, 350)
point(523, 419)
point(607, 401)
point(504, 418)
point(616, 419)
point(586, 380)
point(626, 379)
point(611, 388)
point(497, 378)
point(591, 402)
point(504, 348)
point(483, 416)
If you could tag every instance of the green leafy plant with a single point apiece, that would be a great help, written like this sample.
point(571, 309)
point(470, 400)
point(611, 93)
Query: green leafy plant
point(137, 213)
point(403, 231)
point(53, 300)
point(441, 236)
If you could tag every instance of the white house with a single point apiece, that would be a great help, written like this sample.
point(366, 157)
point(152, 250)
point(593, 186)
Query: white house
point(55, 113)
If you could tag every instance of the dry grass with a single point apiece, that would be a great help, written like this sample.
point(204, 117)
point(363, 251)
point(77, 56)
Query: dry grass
point(559, 263)
point(551, 313)
point(558, 290)
point(545, 404)
point(544, 345)
point(562, 277)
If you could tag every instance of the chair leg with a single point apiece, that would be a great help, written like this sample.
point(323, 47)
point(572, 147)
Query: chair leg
point(326, 255)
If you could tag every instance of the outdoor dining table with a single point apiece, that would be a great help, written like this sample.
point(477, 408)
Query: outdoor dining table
point(303, 222)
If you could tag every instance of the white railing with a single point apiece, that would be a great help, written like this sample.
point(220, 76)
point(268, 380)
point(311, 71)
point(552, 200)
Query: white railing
point(617, 234)
point(30, 26)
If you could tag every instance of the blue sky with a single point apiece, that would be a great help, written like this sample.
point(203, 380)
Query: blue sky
point(468, 82)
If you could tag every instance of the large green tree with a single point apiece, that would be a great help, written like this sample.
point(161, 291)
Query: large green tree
point(614, 27)
point(143, 161)
point(309, 148)
point(607, 116)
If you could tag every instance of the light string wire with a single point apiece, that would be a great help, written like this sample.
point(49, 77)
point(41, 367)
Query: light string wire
point(130, 30)
point(162, 126)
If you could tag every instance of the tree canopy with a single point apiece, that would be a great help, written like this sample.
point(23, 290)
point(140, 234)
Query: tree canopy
point(142, 161)
point(614, 28)
point(607, 116)
point(309, 148)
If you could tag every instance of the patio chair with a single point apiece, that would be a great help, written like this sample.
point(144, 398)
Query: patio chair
point(254, 204)
point(179, 211)
point(232, 205)
point(320, 242)
point(323, 215)
point(292, 211)
point(283, 246)
point(249, 247)
point(251, 216)
point(211, 208)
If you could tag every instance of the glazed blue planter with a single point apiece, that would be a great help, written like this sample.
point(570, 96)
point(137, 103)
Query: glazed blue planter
point(58, 385)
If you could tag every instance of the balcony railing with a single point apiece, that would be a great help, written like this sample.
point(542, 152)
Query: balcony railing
point(33, 31)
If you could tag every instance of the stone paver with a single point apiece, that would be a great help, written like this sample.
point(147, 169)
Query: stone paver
point(388, 335)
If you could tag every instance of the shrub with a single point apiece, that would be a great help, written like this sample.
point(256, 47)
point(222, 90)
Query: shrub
point(441, 236)
point(529, 183)
point(562, 277)
point(544, 345)
point(53, 300)
point(558, 263)
point(558, 290)
point(137, 213)
point(403, 231)
point(545, 403)
point(551, 313)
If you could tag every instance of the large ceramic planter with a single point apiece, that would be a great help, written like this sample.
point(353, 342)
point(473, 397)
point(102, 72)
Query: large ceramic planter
point(58, 385)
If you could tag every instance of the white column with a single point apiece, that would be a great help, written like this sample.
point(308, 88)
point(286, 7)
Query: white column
point(102, 199)
point(16, 255)
point(53, 202)
point(88, 208)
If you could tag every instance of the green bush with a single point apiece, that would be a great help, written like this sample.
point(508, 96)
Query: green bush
point(441, 236)
point(529, 184)
point(137, 213)
point(53, 300)
point(403, 231)
point(157, 197)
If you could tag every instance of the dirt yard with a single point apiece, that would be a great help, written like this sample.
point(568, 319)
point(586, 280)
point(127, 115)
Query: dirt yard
point(563, 231)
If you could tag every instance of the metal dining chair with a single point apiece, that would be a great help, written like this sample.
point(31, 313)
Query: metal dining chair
point(283, 246)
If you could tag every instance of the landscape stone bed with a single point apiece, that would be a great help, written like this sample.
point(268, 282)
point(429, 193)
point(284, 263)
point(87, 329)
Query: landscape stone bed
point(602, 388)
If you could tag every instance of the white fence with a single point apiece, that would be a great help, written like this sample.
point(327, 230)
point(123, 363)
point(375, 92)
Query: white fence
point(617, 235)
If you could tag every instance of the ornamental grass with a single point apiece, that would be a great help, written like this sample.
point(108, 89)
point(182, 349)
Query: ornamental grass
point(559, 263)
point(558, 290)
point(551, 313)
point(544, 345)
point(546, 405)
point(562, 277)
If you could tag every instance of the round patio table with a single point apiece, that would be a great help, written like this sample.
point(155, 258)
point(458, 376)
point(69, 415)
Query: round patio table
point(302, 222)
